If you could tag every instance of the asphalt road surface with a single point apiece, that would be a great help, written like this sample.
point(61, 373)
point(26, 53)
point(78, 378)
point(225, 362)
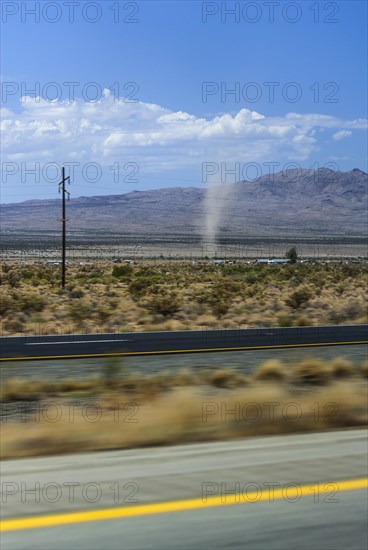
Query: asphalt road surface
point(148, 343)
point(298, 491)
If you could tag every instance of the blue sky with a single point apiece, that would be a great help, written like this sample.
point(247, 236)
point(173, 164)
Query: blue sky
point(180, 60)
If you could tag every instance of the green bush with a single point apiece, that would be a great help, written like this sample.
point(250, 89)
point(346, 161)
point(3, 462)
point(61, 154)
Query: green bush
point(166, 304)
point(7, 304)
point(221, 294)
point(104, 312)
point(27, 274)
point(219, 306)
point(31, 303)
point(76, 293)
point(96, 276)
point(251, 278)
point(298, 298)
point(80, 310)
point(138, 287)
point(25, 303)
point(122, 271)
point(292, 254)
point(13, 278)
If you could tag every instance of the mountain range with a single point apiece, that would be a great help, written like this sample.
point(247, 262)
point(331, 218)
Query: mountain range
point(299, 202)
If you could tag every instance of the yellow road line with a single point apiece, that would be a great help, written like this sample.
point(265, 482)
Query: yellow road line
point(181, 505)
point(164, 352)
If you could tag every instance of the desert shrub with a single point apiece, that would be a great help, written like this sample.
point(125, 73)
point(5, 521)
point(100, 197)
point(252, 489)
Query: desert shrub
point(30, 302)
point(110, 293)
point(122, 271)
point(234, 270)
point(13, 325)
point(350, 270)
point(219, 305)
point(226, 378)
point(13, 278)
point(96, 276)
point(138, 287)
point(298, 298)
point(285, 321)
point(103, 313)
point(341, 368)
point(36, 318)
point(7, 304)
point(363, 371)
point(354, 309)
point(27, 274)
point(230, 286)
point(76, 293)
point(303, 321)
point(166, 303)
point(154, 274)
point(348, 312)
point(221, 294)
point(80, 310)
point(270, 370)
point(312, 371)
point(251, 278)
point(186, 377)
point(47, 274)
point(16, 389)
point(77, 385)
point(340, 288)
point(23, 389)
point(159, 279)
point(336, 316)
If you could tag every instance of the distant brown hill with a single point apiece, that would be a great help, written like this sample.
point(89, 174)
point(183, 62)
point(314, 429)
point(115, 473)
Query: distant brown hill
point(306, 202)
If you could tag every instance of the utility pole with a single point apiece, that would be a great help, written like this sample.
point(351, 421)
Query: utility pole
point(63, 222)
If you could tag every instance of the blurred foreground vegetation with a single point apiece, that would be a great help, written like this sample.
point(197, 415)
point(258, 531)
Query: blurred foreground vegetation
point(123, 410)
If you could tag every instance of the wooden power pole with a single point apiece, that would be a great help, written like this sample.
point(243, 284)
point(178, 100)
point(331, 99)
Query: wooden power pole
point(63, 222)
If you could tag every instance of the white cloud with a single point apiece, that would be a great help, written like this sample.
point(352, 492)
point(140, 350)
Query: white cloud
point(341, 135)
point(158, 139)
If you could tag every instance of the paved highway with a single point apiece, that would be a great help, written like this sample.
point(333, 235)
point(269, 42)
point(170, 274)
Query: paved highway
point(298, 491)
point(149, 343)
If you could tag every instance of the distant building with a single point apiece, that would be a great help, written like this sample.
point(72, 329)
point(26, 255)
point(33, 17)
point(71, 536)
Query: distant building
point(269, 261)
point(221, 262)
point(280, 261)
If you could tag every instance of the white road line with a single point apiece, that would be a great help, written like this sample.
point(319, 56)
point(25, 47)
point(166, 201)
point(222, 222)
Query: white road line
point(71, 342)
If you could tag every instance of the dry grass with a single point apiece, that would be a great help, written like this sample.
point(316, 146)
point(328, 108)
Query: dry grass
point(185, 407)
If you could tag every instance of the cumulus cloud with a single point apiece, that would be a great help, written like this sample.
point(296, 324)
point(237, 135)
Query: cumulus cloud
point(155, 137)
point(341, 135)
